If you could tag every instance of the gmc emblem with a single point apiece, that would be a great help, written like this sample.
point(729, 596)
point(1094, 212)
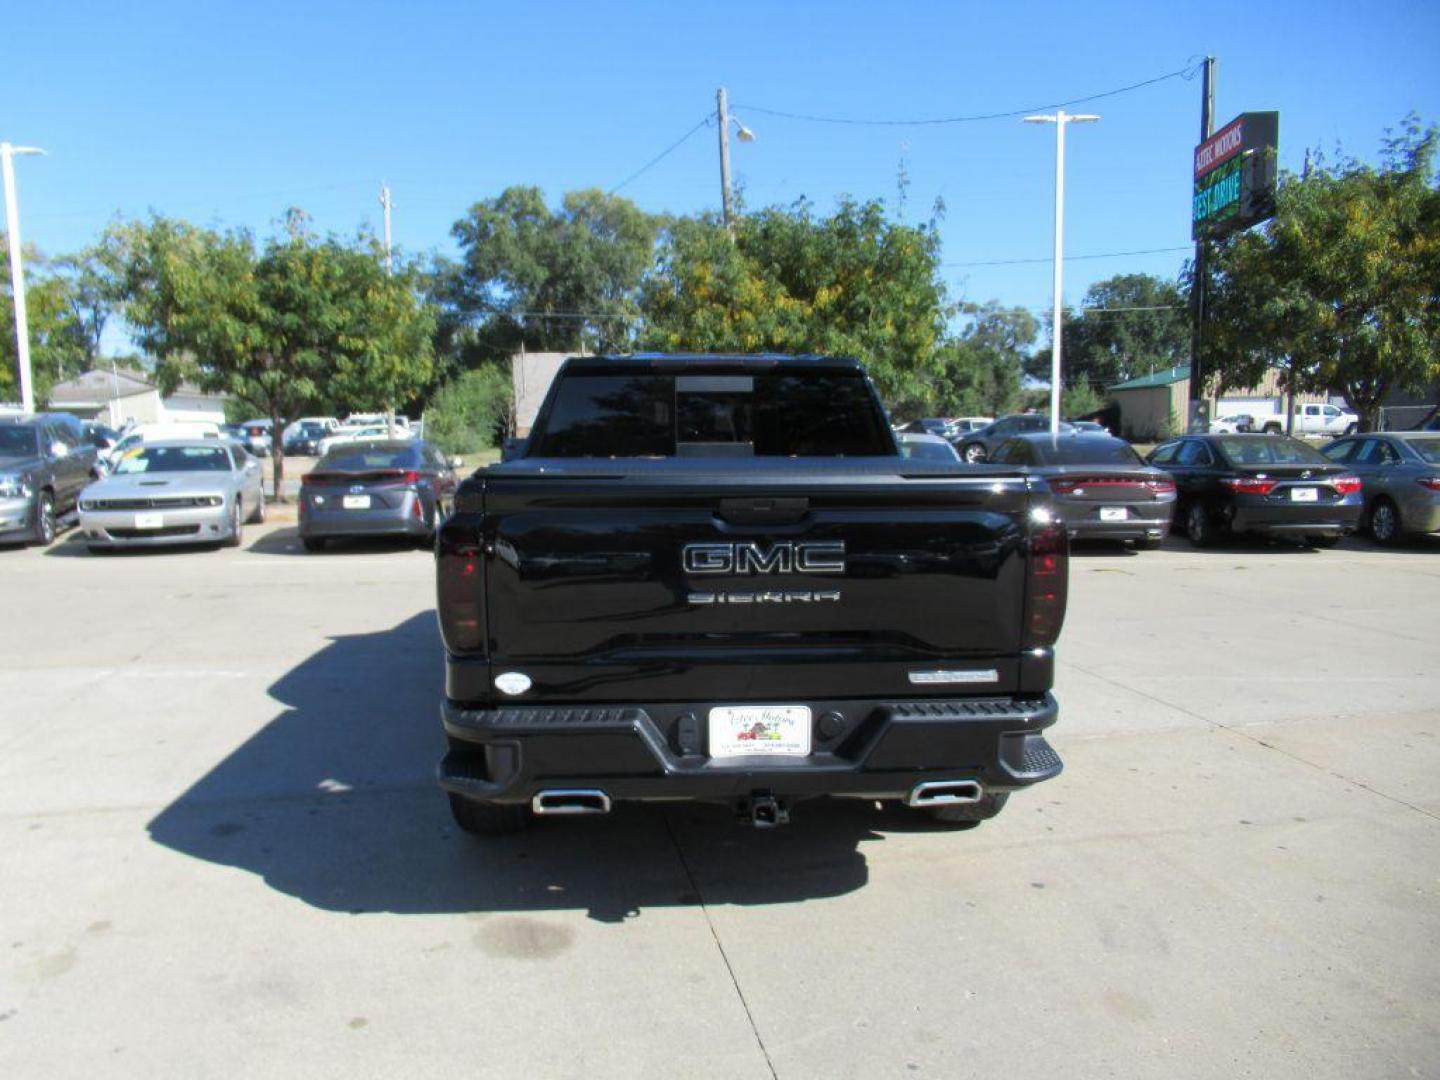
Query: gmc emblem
point(827, 557)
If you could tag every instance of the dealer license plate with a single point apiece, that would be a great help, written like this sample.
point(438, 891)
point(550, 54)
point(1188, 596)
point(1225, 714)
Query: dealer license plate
point(356, 502)
point(149, 521)
point(1113, 513)
point(746, 730)
point(1304, 494)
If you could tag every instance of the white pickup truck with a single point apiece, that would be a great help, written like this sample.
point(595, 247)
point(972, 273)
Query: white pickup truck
point(1266, 416)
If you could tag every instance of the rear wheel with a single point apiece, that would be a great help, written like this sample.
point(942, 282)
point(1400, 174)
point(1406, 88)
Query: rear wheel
point(974, 453)
point(313, 543)
point(1198, 526)
point(1385, 522)
point(487, 818)
point(968, 815)
point(44, 519)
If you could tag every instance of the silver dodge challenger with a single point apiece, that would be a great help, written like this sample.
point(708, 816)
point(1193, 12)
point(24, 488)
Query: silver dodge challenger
point(183, 491)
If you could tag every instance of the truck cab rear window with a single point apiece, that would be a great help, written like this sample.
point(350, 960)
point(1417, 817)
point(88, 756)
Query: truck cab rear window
point(767, 415)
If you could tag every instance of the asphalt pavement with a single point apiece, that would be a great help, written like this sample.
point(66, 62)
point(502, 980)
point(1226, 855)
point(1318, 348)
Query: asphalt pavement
point(222, 852)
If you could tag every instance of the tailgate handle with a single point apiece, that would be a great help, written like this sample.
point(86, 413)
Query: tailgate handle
point(757, 511)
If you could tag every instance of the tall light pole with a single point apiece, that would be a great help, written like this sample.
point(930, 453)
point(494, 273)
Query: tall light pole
point(1060, 119)
point(724, 120)
point(386, 204)
point(17, 270)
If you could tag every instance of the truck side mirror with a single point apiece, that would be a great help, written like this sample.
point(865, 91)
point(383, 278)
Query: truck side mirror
point(511, 449)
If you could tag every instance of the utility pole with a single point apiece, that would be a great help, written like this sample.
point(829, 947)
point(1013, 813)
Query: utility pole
point(722, 114)
point(1197, 421)
point(17, 270)
point(386, 204)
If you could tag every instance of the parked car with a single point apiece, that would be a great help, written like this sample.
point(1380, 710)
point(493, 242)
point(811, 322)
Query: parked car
point(1234, 424)
point(976, 446)
point(394, 488)
point(176, 491)
point(1103, 489)
point(1093, 427)
point(256, 437)
point(959, 425)
point(148, 433)
point(100, 435)
point(45, 462)
point(303, 437)
point(346, 434)
point(1269, 484)
point(1400, 481)
point(930, 425)
point(926, 447)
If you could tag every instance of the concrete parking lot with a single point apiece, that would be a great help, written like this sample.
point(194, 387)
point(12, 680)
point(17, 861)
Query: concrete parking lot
point(222, 851)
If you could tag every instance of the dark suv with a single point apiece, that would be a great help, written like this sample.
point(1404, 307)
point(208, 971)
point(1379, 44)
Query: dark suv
point(45, 461)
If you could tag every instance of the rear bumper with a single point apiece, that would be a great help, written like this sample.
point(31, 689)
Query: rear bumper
point(1311, 519)
point(1133, 528)
point(870, 749)
point(399, 520)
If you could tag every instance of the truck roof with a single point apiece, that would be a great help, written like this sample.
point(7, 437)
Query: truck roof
point(710, 362)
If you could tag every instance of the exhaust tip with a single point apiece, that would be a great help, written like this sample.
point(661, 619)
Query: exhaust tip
point(571, 801)
point(945, 793)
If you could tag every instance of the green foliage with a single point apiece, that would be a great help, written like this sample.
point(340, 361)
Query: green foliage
point(526, 272)
point(1080, 400)
point(1340, 288)
point(298, 325)
point(983, 363)
point(1129, 324)
point(472, 411)
point(57, 337)
point(850, 284)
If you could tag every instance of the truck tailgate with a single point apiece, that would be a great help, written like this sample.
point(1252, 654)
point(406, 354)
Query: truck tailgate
point(771, 585)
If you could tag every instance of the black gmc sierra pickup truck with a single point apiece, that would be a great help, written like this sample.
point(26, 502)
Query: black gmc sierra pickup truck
point(715, 578)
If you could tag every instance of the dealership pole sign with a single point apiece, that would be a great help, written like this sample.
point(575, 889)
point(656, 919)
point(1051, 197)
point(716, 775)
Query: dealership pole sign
point(1235, 174)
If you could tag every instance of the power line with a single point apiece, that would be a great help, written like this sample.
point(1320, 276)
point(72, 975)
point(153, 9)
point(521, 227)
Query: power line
point(1187, 73)
point(704, 121)
point(1069, 258)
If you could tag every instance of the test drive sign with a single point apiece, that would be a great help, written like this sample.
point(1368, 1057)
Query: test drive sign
point(1235, 173)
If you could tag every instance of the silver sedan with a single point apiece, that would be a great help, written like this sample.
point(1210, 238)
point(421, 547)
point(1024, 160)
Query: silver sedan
point(1400, 480)
point(190, 491)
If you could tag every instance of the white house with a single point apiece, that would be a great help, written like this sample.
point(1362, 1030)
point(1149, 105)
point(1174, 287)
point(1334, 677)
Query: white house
point(122, 395)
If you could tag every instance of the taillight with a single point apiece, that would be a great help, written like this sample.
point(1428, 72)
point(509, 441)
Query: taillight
point(1046, 577)
point(1346, 485)
point(459, 589)
point(1431, 482)
point(1249, 485)
point(1164, 486)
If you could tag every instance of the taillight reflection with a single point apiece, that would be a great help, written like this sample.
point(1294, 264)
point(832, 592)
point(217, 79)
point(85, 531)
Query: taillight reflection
point(1047, 574)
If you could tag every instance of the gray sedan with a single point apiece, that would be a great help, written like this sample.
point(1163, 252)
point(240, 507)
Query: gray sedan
point(190, 491)
point(1400, 480)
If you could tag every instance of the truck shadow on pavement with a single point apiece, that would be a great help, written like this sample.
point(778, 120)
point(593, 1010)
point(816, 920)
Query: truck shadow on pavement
point(334, 802)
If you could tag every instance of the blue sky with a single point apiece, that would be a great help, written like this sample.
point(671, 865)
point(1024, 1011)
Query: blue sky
point(228, 113)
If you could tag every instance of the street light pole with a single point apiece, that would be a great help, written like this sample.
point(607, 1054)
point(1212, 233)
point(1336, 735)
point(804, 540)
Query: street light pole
point(385, 205)
point(1060, 119)
point(17, 270)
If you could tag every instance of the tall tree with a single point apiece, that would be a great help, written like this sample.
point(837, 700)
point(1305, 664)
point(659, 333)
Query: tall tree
point(56, 340)
point(285, 327)
point(984, 362)
point(852, 283)
point(554, 280)
point(1128, 325)
point(1341, 289)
